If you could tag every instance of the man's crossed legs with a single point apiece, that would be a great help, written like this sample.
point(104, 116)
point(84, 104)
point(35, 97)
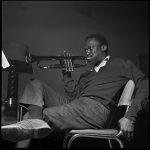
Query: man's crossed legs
point(48, 111)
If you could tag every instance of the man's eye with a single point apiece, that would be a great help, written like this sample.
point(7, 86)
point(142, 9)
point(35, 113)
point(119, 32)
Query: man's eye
point(94, 46)
point(88, 48)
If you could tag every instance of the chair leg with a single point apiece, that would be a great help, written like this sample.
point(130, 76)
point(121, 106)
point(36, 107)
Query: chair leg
point(109, 143)
point(19, 115)
point(120, 142)
point(65, 141)
point(21, 112)
point(72, 138)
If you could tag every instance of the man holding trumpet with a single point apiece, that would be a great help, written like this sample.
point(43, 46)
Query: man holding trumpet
point(90, 101)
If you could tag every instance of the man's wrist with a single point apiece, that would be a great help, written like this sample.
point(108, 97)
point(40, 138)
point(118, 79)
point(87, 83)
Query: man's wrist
point(66, 73)
point(131, 118)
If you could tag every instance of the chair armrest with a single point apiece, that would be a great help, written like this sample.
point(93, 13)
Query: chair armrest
point(119, 133)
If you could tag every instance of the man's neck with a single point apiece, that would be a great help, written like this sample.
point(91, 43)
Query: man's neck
point(101, 64)
point(100, 60)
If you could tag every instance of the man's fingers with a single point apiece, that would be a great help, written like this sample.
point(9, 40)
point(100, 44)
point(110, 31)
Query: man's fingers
point(68, 62)
point(64, 53)
point(127, 135)
point(124, 133)
point(127, 127)
point(130, 136)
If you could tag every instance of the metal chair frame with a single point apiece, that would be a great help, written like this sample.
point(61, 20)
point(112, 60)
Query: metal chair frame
point(67, 144)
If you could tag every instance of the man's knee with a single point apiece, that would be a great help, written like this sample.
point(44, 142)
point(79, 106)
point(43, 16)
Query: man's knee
point(35, 82)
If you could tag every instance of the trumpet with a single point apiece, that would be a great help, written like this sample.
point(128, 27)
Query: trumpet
point(68, 65)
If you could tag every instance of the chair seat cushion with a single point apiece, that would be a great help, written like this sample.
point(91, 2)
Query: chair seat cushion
point(100, 132)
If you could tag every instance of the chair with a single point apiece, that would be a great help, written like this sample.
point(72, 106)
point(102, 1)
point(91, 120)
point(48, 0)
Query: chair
point(106, 134)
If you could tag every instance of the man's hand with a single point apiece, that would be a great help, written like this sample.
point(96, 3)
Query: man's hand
point(67, 62)
point(127, 128)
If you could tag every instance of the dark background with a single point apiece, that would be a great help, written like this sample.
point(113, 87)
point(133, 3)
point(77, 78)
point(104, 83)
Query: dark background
point(50, 27)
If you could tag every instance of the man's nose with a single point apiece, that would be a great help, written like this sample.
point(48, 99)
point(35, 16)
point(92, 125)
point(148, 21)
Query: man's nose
point(88, 50)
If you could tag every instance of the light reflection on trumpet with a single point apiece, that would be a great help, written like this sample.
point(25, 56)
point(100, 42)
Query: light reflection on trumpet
point(68, 64)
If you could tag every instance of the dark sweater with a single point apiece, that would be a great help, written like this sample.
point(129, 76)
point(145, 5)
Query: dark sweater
point(103, 85)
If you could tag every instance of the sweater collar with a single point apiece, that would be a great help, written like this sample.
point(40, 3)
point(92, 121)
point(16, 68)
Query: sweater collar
point(102, 64)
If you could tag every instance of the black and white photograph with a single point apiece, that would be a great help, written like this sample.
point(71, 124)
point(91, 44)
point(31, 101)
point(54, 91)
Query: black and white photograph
point(75, 74)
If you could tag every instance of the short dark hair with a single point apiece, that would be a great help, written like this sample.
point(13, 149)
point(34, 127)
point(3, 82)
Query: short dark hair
point(100, 38)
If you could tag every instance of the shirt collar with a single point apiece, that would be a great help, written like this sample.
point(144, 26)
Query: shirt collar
point(102, 64)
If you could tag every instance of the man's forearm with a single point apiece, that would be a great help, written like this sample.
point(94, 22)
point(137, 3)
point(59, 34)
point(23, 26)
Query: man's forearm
point(141, 95)
point(69, 84)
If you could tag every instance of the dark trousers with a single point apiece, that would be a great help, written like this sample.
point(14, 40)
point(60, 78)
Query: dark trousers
point(81, 113)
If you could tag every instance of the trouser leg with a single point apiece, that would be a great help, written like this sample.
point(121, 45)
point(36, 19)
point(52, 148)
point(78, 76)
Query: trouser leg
point(38, 93)
point(82, 113)
point(79, 114)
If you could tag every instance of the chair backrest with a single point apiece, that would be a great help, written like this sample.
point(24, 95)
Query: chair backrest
point(123, 104)
point(127, 93)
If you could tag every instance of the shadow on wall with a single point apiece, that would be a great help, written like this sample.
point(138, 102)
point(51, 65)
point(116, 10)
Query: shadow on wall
point(144, 63)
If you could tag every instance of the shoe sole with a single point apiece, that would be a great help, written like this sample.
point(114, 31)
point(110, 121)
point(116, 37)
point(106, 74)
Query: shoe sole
point(41, 133)
point(15, 135)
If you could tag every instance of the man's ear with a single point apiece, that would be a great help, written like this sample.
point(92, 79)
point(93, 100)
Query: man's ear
point(103, 47)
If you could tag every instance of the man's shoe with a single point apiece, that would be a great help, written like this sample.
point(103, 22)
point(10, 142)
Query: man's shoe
point(26, 129)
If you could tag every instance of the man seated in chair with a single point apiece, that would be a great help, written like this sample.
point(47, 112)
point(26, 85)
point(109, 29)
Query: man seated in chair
point(89, 103)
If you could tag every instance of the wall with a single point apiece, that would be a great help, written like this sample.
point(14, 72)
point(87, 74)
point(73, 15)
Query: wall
point(50, 27)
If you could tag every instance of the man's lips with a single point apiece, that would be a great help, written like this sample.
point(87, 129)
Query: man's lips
point(89, 53)
point(89, 56)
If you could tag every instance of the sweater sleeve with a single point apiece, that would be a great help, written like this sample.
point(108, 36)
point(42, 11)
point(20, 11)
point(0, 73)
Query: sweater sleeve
point(70, 86)
point(141, 91)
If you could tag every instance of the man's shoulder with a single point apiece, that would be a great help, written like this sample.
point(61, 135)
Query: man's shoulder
point(122, 62)
point(118, 60)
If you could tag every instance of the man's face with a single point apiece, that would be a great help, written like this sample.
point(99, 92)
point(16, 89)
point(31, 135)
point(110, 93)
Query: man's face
point(93, 51)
